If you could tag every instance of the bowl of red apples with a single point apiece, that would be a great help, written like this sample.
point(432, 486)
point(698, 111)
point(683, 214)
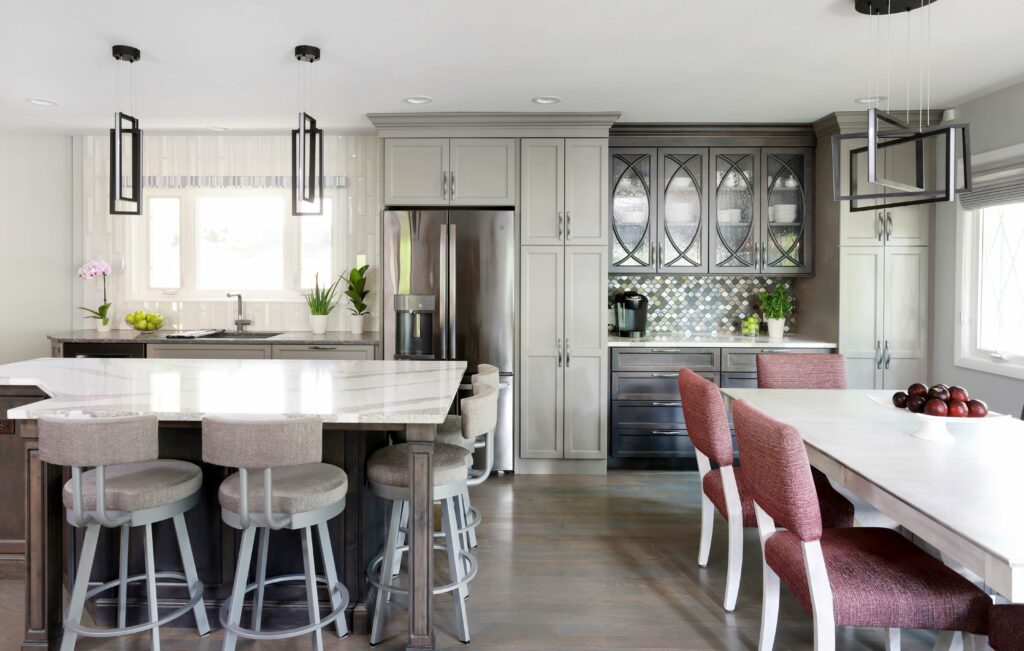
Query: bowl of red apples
point(941, 405)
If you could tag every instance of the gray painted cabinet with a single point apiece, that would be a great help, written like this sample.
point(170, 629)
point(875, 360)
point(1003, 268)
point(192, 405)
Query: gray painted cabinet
point(449, 171)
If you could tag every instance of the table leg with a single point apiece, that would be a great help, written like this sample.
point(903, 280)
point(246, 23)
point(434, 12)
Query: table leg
point(43, 577)
point(421, 536)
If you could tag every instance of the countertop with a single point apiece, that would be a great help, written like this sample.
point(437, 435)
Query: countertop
point(300, 338)
point(392, 392)
point(683, 340)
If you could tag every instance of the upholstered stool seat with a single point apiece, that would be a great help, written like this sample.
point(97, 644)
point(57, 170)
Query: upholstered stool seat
point(458, 440)
point(390, 466)
point(296, 489)
point(139, 486)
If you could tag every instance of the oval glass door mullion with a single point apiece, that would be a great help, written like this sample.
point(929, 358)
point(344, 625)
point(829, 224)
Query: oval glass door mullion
point(683, 211)
point(787, 218)
point(632, 209)
point(735, 229)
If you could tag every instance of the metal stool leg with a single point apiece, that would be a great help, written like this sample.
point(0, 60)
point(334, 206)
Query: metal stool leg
point(455, 566)
point(238, 587)
point(154, 613)
point(461, 519)
point(122, 575)
point(385, 571)
point(471, 534)
point(81, 586)
point(261, 578)
point(327, 553)
point(188, 562)
point(313, 604)
point(399, 542)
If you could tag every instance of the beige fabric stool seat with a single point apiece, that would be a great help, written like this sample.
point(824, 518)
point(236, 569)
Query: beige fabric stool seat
point(139, 486)
point(390, 466)
point(457, 439)
point(296, 489)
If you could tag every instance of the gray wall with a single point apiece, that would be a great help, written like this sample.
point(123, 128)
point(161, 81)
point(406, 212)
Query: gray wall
point(997, 121)
point(36, 262)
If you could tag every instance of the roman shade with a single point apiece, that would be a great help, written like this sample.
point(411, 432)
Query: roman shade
point(995, 185)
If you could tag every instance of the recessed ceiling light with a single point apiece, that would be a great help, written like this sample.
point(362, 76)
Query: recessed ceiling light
point(417, 99)
point(219, 129)
point(547, 99)
point(873, 99)
point(42, 101)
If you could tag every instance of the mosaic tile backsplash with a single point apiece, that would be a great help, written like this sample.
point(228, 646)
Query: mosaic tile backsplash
point(699, 304)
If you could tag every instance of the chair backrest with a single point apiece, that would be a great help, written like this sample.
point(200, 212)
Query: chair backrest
point(778, 474)
point(706, 420)
point(262, 442)
point(801, 371)
point(82, 442)
point(479, 412)
point(487, 375)
point(1006, 627)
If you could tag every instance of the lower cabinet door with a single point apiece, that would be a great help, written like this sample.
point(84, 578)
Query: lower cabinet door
point(323, 352)
point(586, 352)
point(540, 357)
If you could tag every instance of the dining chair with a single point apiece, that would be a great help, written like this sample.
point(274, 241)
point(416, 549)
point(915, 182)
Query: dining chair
point(724, 486)
point(850, 576)
point(801, 371)
point(1006, 627)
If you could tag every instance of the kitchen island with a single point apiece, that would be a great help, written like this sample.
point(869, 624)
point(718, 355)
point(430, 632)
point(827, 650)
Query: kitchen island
point(359, 401)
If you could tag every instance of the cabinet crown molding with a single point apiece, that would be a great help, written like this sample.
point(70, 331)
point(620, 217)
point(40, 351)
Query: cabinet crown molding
point(493, 124)
point(856, 121)
point(703, 134)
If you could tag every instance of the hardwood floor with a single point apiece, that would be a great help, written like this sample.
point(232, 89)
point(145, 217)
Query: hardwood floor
point(572, 562)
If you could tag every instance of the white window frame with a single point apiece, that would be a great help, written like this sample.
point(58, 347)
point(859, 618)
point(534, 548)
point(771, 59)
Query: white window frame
point(291, 292)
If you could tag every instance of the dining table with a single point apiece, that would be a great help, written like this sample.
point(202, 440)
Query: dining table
point(960, 493)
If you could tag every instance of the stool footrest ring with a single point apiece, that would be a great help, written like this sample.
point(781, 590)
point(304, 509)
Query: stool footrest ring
point(196, 591)
point(373, 573)
point(289, 632)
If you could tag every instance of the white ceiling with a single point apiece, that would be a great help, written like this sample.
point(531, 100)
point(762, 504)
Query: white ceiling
point(229, 62)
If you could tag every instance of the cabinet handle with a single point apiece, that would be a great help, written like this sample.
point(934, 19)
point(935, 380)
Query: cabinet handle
point(888, 355)
point(567, 352)
point(764, 255)
point(666, 375)
point(568, 225)
point(666, 404)
point(880, 226)
point(453, 184)
point(321, 348)
point(888, 225)
point(558, 345)
point(444, 184)
point(665, 350)
point(878, 347)
point(667, 432)
point(559, 225)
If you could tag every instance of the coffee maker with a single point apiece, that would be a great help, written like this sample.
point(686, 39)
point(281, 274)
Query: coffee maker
point(414, 326)
point(630, 314)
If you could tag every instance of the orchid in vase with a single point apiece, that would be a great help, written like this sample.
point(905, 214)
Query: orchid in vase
point(88, 271)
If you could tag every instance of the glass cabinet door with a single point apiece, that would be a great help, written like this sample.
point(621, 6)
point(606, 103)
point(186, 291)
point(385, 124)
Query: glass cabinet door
point(682, 224)
point(786, 211)
point(632, 210)
point(734, 237)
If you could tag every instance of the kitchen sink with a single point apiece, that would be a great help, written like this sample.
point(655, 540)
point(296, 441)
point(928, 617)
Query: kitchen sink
point(241, 335)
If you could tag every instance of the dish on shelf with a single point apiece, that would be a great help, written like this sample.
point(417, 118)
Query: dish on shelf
point(783, 213)
point(730, 216)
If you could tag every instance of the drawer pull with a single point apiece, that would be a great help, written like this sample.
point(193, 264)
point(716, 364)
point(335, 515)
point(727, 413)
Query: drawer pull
point(668, 432)
point(666, 404)
point(666, 350)
point(672, 376)
point(322, 348)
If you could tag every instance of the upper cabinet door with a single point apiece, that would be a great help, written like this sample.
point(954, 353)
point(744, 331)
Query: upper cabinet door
point(787, 209)
point(633, 210)
point(416, 172)
point(586, 191)
point(682, 240)
point(735, 208)
point(907, 226)
point(482, 172)
point(542, 198)
point(905, 316)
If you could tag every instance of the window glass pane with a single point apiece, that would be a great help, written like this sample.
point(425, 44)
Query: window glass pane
point(240, 243)
point(164, 243)
point(315, 253)
point(1001, 279)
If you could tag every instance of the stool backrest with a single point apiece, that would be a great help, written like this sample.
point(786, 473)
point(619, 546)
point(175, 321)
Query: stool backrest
point(778, 474)
point(263, 442)
point(82, 442)
point(706, 420)
point(801, 371)
point(486, 375)
point(479, 411)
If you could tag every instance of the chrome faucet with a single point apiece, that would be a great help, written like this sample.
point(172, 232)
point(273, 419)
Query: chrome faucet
point(241, 321)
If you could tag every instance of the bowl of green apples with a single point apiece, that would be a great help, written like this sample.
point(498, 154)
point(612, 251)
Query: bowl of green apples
point(144, 321)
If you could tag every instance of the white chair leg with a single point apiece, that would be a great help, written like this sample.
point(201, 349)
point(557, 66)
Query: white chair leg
point(188, 563)
point(707, 528)
point(391, 542)
point(122, 577)
point(330, 571)
point(735, 519)
point(261, 578)
point(769, 608)
point(822, 604)
point(947, 641)
point(239, 586)
point(81, 586)
point(312, 603)
point(154, 612)
point(456, 569)
point(892, 639)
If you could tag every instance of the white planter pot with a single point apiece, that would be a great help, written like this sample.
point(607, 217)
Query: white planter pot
point(776, 328)
point(104, 328)
point(318, 323)
point(356, 323)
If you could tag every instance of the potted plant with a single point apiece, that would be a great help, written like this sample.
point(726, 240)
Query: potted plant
point(357, 294)
point(102, 315)
point(776, 306)
point(321, 301)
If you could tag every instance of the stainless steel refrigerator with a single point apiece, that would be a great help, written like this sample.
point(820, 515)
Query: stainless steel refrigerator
point(455, 273)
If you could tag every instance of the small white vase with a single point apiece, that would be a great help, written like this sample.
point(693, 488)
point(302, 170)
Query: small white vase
point(104, 328)
point(776, 328)
point(318, 323)
point(356, 323)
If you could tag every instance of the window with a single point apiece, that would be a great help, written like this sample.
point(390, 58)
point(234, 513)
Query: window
point(202, 243)
point(992, 284)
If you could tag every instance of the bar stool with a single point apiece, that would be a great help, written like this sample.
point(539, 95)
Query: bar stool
point(296, 491)
point(129, 486)
point(388, 472)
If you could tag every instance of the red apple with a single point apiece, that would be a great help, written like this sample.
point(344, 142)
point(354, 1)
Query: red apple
point(899, 399)
point(936, 407)
point(957, 408)
point(977, 409)
point(916, 404)
point(959, 393)
point(918, 389)
point(939, 392)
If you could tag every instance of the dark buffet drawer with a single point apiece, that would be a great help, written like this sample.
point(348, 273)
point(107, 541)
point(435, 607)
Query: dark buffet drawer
point(648, 444)
point(656, 385)
point(744, 360)
point(648, 415)
point(664, 359)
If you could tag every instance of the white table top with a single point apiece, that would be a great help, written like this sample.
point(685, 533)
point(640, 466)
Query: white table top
point(971, 486)
point(711, 340)
point(390, 392)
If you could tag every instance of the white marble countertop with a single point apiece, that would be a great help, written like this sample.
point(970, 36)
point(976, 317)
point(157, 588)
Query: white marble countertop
point(393, 392)
point(695, 340)
point(297, 337)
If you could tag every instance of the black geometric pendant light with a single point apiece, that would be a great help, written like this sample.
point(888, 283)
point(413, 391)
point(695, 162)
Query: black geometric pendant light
point(126, 145)
point(307, 145)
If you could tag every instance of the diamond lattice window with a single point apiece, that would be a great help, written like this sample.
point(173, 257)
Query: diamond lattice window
point(1000, 306)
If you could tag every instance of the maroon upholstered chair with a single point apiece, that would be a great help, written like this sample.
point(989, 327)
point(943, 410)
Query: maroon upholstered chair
point(1006, 627)
point(724, 486)
point(801, 371)
point(860, 576)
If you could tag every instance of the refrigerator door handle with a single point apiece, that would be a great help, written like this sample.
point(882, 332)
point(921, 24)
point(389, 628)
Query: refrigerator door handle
point(443, 290)
point(453, 290)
